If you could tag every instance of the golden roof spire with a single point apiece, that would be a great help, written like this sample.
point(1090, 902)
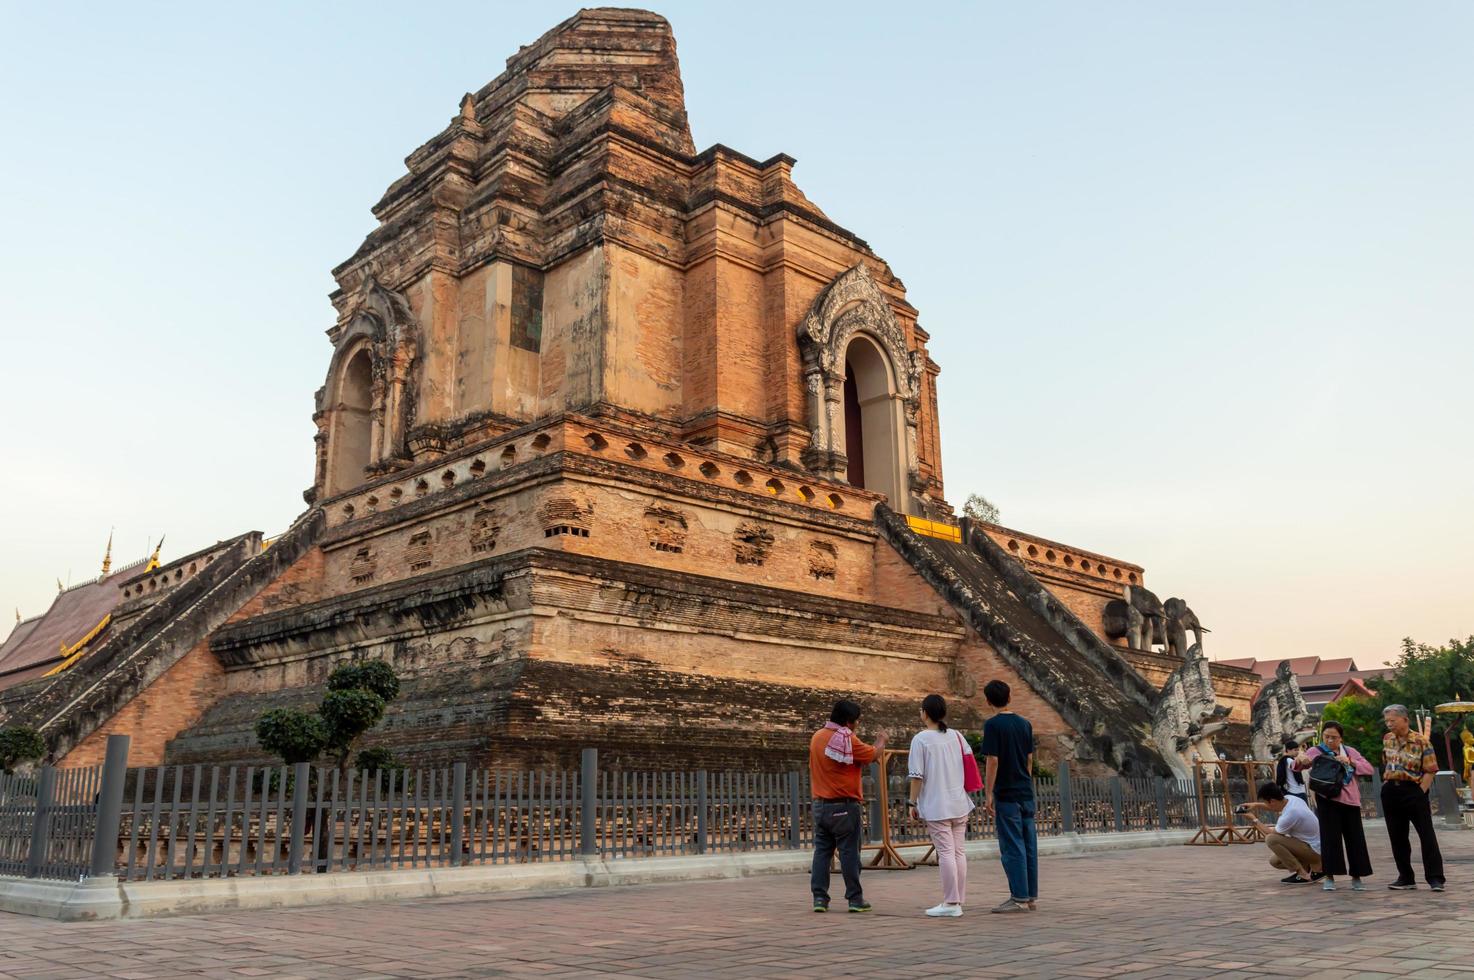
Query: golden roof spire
point(59, 586)
point(107, 558)
point(17, 614)
point(153, 559)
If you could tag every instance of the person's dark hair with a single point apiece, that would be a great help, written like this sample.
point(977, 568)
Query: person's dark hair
point(1291, 745)
point(997, 693)
point(845, 713)
point(1269, 792)
point(935, 707)
point(1333, 724)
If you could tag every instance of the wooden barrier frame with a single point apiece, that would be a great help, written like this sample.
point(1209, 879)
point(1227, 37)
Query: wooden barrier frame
point(887, 856)
point(1229, 832)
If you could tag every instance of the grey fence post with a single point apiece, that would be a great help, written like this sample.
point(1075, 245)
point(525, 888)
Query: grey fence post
point(301, 774)
point(1377, 791)
point(457, 813)
point(588, 802)
point(41, 823)
point(876, 775)
point(795, 811)
point(1066, 799)
point(109, 807)
point(1118, 803)
point(1448, 799)
point(1163, 821)
point(701, 811)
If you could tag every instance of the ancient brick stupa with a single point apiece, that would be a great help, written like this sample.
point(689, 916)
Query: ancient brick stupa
point(626, 445)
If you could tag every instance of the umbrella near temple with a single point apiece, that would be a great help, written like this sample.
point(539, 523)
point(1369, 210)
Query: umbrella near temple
point(1457, 706)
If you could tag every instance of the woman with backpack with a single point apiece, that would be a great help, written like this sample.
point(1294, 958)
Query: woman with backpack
point(1331, 769)
point(943, 771)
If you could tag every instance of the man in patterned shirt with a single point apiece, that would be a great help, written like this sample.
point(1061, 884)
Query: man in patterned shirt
point(1408, 766)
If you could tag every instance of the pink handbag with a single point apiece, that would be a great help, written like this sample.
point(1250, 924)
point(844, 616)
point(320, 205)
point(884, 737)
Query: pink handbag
point(972, 778)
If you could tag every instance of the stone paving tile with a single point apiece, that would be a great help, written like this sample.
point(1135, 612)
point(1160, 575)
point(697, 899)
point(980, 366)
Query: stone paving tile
point(1144, 915)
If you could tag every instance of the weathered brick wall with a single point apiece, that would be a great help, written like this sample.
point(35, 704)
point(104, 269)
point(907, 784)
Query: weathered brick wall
point(675, 292)
point(1083, 581)
point(174, 701)
point(1237, 689)
point(661, 520)
point(980, 663)
point(300, 583)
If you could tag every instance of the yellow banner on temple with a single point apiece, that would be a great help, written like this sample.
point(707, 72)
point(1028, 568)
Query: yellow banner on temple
point(934, 529)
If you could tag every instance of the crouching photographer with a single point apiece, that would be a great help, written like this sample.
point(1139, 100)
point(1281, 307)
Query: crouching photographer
point(1294, 840)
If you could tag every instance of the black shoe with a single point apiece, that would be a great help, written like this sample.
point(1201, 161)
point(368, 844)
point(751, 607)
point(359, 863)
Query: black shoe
point(1317, 875)
point(1296, 880)
point(1403, 886)
point(862, 907)
point(1438, 887)
point(820, 907)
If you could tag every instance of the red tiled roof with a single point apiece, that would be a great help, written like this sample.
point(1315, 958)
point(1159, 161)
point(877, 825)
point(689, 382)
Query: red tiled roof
point(1300, 666)
point(1338, 666)
point(1320, 682)
point(1352, 688)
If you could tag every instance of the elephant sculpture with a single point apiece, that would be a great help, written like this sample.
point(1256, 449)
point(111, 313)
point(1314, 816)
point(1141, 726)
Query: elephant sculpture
point(1180, 620)
point(1140, 617)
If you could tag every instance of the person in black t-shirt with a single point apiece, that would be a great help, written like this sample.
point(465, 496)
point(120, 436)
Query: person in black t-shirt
point(1285, 775)
point(1008, 794)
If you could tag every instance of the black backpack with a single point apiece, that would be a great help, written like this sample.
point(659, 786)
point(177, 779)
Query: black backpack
point(1327, 776)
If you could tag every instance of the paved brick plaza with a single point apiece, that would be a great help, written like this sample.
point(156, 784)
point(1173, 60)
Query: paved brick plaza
point(1165, 912)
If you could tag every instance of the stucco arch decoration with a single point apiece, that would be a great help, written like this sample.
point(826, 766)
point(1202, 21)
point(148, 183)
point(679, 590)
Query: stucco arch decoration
point(379, 320)
point(852, 303)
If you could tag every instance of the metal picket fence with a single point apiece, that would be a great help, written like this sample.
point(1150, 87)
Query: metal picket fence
point(192, 822)
point(1063, 804)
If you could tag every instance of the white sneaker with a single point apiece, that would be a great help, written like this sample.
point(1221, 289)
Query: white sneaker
point(944, 911)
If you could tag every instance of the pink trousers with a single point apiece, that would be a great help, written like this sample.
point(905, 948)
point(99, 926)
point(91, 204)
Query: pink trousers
point(948, 836)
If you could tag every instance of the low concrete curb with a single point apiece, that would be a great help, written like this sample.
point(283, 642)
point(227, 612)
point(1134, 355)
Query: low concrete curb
point(108, 898)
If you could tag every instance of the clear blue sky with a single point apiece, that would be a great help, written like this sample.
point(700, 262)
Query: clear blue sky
point(1200, 277)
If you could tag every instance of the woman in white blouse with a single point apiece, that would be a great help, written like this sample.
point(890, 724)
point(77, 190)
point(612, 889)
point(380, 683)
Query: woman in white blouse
point(938, 797)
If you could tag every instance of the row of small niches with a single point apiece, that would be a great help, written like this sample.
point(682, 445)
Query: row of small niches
point(596, 443)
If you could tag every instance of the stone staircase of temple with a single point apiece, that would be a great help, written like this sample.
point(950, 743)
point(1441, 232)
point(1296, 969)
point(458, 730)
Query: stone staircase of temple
point(73, 704)
point(1084, 679)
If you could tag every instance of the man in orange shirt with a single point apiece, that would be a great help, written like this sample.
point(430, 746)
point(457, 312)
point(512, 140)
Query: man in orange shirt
point(836, 758)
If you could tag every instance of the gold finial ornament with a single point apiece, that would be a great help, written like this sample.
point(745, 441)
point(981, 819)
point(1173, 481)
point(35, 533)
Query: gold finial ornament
point(153, 559)
point(107, 557)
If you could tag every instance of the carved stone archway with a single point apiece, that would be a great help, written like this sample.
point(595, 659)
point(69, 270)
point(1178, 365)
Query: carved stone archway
point(379, 321)
point(850, 305)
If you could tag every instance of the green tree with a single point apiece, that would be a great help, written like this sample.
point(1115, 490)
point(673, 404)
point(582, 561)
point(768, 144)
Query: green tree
point(295, 735)
point(1361, 722)
point(1425, 676)
point(356, 698)
point(19, 744)
point(980, 508)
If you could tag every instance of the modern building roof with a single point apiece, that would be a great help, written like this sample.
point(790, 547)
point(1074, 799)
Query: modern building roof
point(1301, 667)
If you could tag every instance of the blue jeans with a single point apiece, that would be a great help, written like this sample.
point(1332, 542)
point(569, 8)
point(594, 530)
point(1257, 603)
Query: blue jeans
point(1019, 848)
point(836, 828)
